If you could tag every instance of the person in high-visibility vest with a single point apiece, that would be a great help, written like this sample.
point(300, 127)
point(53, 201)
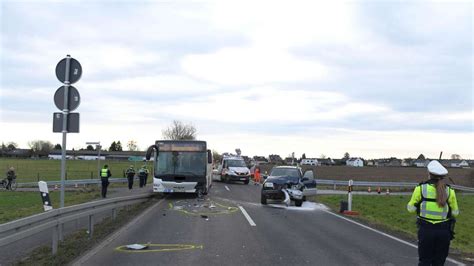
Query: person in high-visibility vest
point(257, 175)
point(436, 206)
point(104, 177)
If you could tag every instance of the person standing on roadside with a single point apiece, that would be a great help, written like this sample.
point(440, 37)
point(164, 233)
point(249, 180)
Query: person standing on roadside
point(257, 175)
point(10, 176)
point(104, 177)
point(130, 176)
point(436, 206)
point(142, 175)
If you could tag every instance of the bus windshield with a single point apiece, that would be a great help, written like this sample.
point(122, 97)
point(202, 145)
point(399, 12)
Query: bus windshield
point(181, 163)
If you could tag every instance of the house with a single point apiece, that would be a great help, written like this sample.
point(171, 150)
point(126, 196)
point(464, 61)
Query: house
point(388, 162)
point(407, 162)
point(458, 163)
point(370, 162)
point(326, 161)
point(309, 161)
point(421, 162)
point(355, 162)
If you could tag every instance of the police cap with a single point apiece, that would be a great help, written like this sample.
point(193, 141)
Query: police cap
point(435, 168)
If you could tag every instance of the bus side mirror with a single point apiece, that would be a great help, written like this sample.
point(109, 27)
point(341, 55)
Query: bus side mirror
point(150, 151)
point(209, 156)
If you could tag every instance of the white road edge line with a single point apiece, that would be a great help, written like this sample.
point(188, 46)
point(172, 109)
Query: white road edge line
point(247, 216)
point(226, 187)
point(387, 235)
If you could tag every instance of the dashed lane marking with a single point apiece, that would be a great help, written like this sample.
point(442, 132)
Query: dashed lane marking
point(226, 187)
point(247, 216)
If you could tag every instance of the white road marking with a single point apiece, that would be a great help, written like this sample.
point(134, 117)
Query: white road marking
point(387, 235)
point(226, 187)
point(247, 216)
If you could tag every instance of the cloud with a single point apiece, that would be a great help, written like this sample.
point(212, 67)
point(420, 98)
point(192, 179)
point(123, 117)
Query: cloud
point(252, 65)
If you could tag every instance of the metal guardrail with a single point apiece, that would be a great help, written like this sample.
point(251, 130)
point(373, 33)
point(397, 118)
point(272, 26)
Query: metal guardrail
point(28, 226)
point(382, 184)
point(319, 181)
point(74, 182)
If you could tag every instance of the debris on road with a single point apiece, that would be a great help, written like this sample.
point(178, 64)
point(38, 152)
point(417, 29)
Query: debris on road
point(137, 247)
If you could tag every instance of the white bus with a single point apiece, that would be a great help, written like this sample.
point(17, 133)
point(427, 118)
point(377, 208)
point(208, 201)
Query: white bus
point(181, 166)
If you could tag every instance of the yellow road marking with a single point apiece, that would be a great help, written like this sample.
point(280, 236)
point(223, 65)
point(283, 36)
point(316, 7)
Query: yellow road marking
point(228, 210)
point(159, 248)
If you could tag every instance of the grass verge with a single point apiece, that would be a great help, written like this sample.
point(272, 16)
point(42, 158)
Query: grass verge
point(18, 204)
point(389, 212)
point(78, 243)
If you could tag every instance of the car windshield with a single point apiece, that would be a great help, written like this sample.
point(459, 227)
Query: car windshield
point(235, 163)
point(184, 163)
point(291, 173)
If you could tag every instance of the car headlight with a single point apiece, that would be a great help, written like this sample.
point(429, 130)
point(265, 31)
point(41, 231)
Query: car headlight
point(268, 184)
point(231, 172)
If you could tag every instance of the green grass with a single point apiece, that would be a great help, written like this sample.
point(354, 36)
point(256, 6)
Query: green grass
point(389, 212)
point(30, 170)
point(15, 205)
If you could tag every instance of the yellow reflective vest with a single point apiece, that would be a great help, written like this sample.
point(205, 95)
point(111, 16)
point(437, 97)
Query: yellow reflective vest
point(423, 201)
point(104, 172)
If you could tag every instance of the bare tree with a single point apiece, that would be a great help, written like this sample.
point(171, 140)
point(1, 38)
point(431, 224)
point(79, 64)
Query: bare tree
point(132, 145)
point(40, 147)
point(12, 146)
point(455, 156)
point(180, 131)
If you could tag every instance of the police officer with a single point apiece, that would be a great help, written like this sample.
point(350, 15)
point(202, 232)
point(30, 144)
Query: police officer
point(142, 175)
point(436, 206)
point(104, 177)
point(130, 175)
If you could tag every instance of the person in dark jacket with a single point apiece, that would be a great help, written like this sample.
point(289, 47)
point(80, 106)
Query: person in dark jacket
point(130, 176)
point(143, 175)
point(10, 176)
point(104, 177)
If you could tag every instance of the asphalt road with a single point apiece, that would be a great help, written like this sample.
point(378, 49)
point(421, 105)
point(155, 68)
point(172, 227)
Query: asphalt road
point(182, 230)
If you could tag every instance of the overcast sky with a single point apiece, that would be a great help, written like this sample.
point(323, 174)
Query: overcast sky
point(375, 79)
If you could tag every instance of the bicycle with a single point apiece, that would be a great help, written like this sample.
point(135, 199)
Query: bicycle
point(4, 182)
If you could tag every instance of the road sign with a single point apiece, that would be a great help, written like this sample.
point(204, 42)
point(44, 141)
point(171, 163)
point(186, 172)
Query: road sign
point(75, 70)
point(74, 98)
point(72, 122)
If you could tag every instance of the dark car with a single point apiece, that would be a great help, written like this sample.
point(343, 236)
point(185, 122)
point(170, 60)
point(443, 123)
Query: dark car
point(287, 183)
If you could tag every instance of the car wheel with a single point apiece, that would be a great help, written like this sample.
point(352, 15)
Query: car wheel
point(298, 203)
point(263, 200)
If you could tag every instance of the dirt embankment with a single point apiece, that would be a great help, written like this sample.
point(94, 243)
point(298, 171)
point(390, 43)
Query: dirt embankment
point(460, 176)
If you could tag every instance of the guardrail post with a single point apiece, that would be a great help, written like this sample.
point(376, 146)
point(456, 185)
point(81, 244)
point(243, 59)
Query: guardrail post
point(38, 176)
point(334, 185)
point(91, 225)
point(60, 232)
point(54, 246)
point(114, 214)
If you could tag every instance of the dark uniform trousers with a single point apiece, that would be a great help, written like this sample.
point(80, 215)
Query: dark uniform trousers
point(105, 184)
point(433, 242)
